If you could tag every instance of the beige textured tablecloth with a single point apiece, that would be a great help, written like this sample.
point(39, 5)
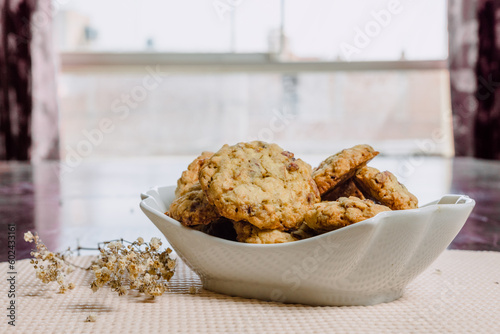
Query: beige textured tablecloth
point(459, 293)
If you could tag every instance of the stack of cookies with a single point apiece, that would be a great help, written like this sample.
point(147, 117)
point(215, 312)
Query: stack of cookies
point(257, 192)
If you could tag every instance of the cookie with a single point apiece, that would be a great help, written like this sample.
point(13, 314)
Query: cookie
point(384, 187)
point(248, 233)
point(259, 183)
point(347, 188)
point(342, 166)
point(193, 208)
point(190, 175)
point(328, 216)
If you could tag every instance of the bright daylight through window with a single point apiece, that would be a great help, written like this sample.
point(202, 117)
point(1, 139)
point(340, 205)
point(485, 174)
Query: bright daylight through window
point(342, 70)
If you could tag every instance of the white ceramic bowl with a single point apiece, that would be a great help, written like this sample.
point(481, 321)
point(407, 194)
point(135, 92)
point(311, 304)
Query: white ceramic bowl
point(365, 263)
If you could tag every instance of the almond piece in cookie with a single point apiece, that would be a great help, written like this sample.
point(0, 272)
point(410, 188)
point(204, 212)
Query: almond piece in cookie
point(193, 208)
point(259, 183)
point(248, 233)
point(190, 175)
point(342, 166)
point(384, 187)
point(329, 216)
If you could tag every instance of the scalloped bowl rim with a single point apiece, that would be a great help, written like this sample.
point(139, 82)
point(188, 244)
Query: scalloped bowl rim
point(432, 206)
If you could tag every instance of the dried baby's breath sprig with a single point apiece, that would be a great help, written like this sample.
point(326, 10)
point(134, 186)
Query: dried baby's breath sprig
point(139, 265)
point(130, 267)
point(49, 266)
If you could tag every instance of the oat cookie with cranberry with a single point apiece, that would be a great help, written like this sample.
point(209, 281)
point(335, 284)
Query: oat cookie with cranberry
point(193, 208)
point(385, 188)
point(259, 183)
point(329, 216)
point(246, 232)
point(190, 176)
point(340, 167)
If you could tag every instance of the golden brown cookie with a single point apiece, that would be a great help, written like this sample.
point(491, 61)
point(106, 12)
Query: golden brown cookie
point(385, 188)
point(342, 166)
point(328, 216)
point(248, 233)
point(193, 208)
point(347, 188)
point(259, 183)
point(190, 175)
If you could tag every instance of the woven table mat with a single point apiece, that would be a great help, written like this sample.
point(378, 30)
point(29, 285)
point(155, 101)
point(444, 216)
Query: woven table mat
point(460, 292)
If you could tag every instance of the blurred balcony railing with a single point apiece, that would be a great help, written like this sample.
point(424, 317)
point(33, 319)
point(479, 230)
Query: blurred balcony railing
point(234, 62)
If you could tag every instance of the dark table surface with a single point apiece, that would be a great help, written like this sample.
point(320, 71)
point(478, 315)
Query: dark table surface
point(99, 200)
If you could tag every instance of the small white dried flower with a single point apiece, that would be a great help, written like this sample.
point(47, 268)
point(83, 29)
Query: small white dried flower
point(140, 241)
point(122, 291)
point(115, 245)
point(122, 263)
point(94, 286)
point(28, 236)
point(91, 318)
point(171, 264)
point(147, 279)
point(131, 256)
point(155, 243)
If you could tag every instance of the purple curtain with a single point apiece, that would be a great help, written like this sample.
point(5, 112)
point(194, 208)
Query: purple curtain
point(474, 42)
point(28, 108)
point(15, 79)
point(487, 123)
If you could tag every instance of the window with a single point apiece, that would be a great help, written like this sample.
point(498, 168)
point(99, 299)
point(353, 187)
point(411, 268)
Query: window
point(343, 72)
